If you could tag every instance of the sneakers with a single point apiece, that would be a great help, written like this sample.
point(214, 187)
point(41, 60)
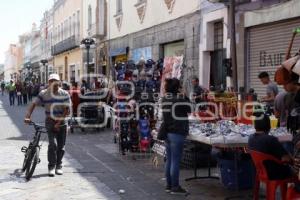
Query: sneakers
point(59, 171)
point(168, 189)
point(179, 190)
point(51, 172)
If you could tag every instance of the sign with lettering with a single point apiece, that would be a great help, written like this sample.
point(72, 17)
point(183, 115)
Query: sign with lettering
point(266, 59)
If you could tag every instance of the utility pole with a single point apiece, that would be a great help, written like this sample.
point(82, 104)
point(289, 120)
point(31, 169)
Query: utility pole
point(233, 44)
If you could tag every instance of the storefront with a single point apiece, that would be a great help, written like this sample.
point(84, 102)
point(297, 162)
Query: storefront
point(266, 50)
point(268, 36)
point(119, 54)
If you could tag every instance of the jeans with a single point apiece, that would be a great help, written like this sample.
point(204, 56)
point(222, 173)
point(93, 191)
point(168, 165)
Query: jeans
point(11, 98)
point(56, 147)
point(24, 99)
point(19, 100)
point(174, 149)
point(289, 147)
point(29, 97)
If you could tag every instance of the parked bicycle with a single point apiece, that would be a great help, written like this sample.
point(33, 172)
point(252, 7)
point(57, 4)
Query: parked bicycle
point(32, 151)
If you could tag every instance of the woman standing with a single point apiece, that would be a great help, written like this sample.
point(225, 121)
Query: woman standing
point(176, 107)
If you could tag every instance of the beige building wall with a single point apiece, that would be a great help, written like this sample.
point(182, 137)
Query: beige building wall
point(73, 60)
point(67, 22)
point(155, 12)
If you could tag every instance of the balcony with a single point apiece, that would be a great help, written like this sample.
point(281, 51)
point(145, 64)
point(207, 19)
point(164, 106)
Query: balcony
point(65, 45)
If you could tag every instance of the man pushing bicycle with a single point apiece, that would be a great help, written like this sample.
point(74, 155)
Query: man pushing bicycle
point(56, 102)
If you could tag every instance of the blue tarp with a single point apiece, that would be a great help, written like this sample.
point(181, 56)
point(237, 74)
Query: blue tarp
point(141, 53)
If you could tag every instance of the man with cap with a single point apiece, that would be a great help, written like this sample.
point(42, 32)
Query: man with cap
point(56, 102)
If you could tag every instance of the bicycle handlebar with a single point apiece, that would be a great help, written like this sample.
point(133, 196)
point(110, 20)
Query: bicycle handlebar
point(36, 126)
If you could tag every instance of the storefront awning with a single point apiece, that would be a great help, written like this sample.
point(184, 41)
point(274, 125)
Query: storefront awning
point(118, 51)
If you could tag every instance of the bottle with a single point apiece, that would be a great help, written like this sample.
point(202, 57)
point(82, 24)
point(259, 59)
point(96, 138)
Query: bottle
point(273, 121)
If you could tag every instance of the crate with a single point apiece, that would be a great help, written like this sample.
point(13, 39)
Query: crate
point(243, 178)
point(202, 153)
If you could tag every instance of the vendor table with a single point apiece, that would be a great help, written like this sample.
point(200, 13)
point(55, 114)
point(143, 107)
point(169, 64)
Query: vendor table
point(234, 147)
point(195, 141)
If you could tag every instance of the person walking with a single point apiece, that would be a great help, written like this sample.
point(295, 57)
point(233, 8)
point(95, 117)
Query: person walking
point(56, 102)
point(177, 128)
point(11, 87)
point(19, 92)
point(29, 91)
point(2, 87)
point(24, 93)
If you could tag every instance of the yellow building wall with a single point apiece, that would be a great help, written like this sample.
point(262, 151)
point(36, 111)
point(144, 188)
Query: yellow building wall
point(64, 61)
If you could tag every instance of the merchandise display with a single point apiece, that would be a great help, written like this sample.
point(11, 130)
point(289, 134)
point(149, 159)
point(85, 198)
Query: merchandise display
point(226, 132)
point(133, 133)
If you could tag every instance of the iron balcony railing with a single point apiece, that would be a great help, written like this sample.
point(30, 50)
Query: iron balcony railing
point(65, 45)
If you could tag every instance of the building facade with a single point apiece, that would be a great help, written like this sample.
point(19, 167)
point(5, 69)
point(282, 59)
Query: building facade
point(46, 35)
point(35, 54)
point(145, 29)
point(89, 9)
point(215, 42)
point(10, 63)
point(67, 34)
point(268, 36)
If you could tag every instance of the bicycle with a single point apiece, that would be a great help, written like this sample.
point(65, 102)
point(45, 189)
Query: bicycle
point(32, 151)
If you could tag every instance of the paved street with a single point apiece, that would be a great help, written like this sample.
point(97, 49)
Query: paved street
point(93, 168)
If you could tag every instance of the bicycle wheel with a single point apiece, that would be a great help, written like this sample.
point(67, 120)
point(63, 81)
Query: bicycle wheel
point(26, 156)
point(33, 160)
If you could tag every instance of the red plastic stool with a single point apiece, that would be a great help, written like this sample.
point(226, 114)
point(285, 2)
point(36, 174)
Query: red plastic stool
point(262, 176)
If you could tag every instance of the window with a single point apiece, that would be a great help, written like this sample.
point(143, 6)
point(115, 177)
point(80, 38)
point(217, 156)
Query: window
point(66, 28)
point(78, 23)
point(73, 75)
point(89, 17)
point(58, 34)
point(218, 35)
point(51, 39)
point(74, 24)
point(61, 31)
point(70, 27)
point(119, 6)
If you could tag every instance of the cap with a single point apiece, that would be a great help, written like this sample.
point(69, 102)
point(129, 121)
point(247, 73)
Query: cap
point(54, 77)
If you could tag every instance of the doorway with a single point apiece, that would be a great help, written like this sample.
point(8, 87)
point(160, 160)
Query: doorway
point(218, 71)
point(66, 68)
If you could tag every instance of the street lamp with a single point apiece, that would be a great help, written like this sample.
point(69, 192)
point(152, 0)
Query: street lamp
point(88, 43)
point(28, 67)
point(45, 64)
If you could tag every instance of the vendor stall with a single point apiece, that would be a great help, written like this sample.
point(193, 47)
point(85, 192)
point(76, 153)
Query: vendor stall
point(226, 136)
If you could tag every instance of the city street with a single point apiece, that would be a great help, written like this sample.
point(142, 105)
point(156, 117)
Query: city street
point(93, 168)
